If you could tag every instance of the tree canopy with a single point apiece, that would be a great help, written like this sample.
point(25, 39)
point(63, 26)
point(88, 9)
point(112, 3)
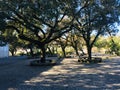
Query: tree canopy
point(42, 21)
point(38, 21)
point(97, 18)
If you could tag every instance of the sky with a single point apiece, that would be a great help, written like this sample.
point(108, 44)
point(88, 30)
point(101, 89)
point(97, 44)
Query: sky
point(118, 34)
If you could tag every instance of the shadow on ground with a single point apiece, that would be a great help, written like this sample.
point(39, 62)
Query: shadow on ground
point(14, 71)
point(68, 75)
point(73, 76)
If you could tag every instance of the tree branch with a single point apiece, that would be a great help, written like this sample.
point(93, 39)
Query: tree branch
point(13, 27)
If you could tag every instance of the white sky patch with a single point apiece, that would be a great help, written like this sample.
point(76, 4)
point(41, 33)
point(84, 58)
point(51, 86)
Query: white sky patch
point(118, 34)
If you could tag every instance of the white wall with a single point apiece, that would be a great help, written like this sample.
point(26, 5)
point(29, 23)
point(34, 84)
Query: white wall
point(4, 51)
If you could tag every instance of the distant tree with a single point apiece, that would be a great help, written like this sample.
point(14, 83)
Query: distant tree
point(101, 43)
point(2, 40)
point(94, 19)
point(52, 48)
point(27, 45)
point(11, 38)
point(76, 41)
point(114, 45)
point(13, 45)
point(63, 43)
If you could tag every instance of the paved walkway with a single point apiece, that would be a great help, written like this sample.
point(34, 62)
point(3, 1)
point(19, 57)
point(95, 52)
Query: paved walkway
point(68, 75)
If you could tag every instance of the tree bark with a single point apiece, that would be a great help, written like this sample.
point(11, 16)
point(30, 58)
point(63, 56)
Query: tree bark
point(89, 48)
point(12, 52)
point(43, 55)
point(50, 51)
point(31, 52)
point(83, 53)
point(76, 50)
point(63, 50)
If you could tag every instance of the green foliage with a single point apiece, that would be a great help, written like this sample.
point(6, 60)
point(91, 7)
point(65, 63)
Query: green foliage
point(40, 22)
point(115, 46)
point(2, 39)
point(110, 44)
point(101, 42)
point(2, 21)
point(11, 38)
point(35, 16)
point(98, 19)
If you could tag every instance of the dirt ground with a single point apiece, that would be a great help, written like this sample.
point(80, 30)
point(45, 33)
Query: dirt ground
point(16, 74)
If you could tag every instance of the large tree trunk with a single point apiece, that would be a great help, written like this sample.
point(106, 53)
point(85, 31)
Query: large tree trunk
point(89, 51)
point(43, 55)
point(12, 52)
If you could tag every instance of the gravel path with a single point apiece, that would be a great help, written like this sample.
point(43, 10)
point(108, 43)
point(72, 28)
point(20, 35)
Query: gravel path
point(68, 75)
